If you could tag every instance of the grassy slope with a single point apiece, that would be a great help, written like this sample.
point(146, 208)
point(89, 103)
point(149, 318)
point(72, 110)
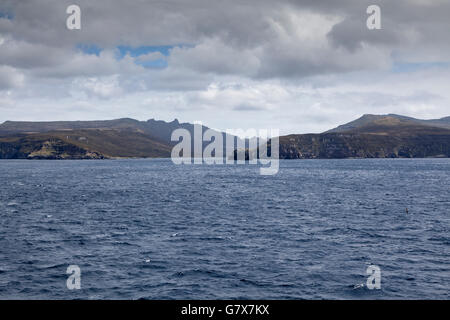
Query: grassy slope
point(109, 143)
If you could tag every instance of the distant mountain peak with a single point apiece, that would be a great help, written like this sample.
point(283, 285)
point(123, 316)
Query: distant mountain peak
point(390, 120)
point(174, 121)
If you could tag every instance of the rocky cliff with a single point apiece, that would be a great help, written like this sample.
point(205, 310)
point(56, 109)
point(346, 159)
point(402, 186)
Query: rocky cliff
point(371, 136)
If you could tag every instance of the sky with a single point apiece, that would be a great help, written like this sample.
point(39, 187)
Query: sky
point(297, 66)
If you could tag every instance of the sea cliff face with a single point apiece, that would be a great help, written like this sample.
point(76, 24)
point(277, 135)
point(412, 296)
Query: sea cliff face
point(45, 149)
point(338, 146)
point(373, 136)
point(370, 136)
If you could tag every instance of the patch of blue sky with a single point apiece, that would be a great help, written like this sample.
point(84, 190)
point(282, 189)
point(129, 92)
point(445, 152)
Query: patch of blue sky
point(6, 15)
point(417, 66)
point(139, 51)
point(153, 64)
point(89, 49)
point(135, 52)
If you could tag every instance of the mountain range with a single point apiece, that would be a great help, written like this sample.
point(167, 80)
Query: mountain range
point(370, 136)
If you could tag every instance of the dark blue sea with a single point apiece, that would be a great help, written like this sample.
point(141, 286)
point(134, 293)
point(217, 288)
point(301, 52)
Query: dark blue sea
point(154, 230)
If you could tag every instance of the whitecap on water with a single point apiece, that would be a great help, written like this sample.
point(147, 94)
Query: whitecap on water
point(358, 286)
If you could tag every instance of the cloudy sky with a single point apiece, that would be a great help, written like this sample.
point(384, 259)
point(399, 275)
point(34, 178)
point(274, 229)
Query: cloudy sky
point(300, 66)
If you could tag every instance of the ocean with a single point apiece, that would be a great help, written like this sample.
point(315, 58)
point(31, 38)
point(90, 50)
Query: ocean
point(149, 229)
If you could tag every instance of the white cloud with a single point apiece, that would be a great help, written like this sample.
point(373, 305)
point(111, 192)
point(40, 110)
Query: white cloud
point(106, 87)
point(152, 56)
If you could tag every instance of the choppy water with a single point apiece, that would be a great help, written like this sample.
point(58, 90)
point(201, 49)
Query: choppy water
point(150, 229)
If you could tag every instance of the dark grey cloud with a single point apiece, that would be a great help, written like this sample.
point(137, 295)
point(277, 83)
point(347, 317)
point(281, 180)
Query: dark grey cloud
point(410, 28)
point(256, 39)
point(10, 78)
